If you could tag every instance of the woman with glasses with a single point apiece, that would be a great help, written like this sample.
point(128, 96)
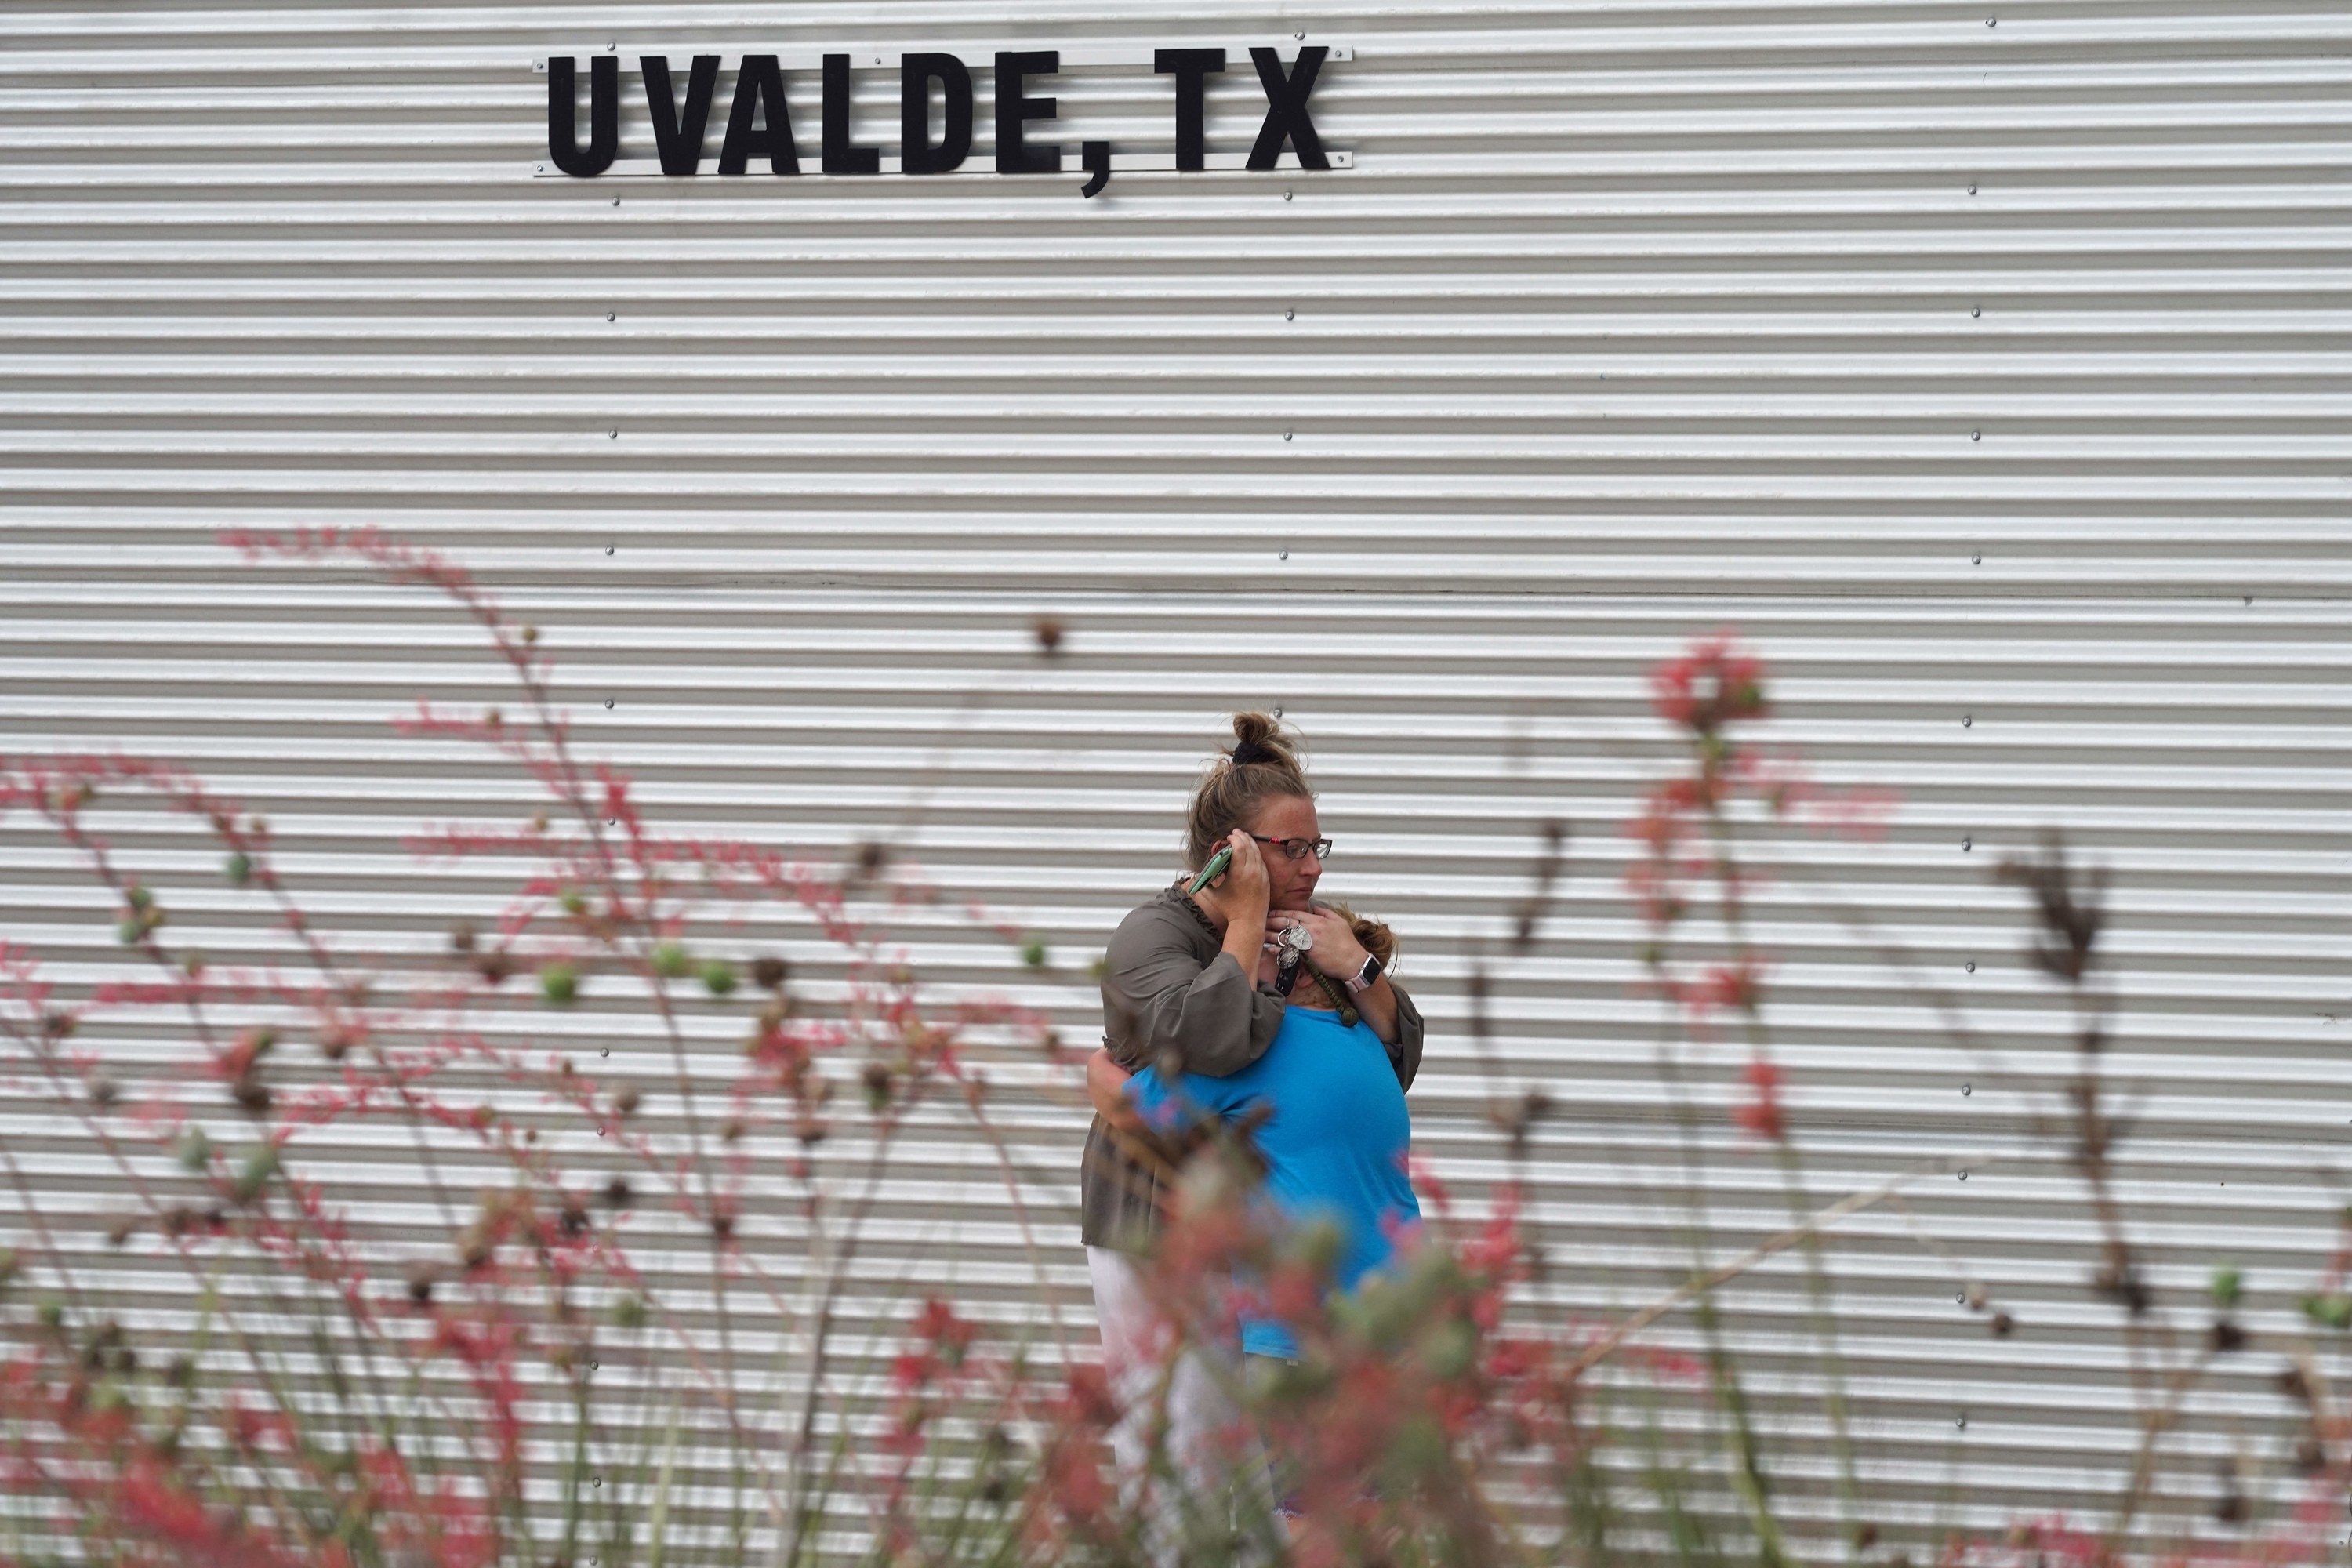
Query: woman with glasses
point(1196, 981)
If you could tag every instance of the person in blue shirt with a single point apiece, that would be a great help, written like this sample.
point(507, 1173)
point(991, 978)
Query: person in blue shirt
point(1335, 1134)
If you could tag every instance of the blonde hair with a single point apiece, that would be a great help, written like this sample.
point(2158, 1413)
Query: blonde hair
point(1261, 765)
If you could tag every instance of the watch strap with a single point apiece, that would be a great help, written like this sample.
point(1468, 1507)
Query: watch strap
point(1367, 977)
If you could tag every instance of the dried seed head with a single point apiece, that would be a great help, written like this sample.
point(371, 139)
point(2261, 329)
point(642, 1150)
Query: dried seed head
point(120, 1229)
point(1048, 633)
point(422, 1275)
point(769, 972)
point(462, 937)
point(103, 1090)
point(2003, 1325)
point(732, 1132)
point(626, 1102)
point(617, 1193)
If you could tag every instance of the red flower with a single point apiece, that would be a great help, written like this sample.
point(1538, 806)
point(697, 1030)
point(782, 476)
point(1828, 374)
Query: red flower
point(1089, 1397)
point(1709, 687)
point(1762, 1115)
point(1736, 987)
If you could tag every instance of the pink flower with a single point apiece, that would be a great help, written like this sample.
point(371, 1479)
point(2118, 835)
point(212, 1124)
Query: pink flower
point(1762, 1115)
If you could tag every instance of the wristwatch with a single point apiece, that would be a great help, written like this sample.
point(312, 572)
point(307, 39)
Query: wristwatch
point(1364, 979)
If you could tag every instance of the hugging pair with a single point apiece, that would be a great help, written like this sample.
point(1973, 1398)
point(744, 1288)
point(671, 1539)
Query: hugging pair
point(1316, 1053)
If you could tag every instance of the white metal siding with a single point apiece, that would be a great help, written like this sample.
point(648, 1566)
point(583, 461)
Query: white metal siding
point(1987, 366)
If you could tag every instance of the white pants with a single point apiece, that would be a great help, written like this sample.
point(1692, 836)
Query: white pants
point(1197, 1446)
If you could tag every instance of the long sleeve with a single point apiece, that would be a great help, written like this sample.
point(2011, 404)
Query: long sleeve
point(1158, 995)
point(1405, 1055)
point(1166, 984)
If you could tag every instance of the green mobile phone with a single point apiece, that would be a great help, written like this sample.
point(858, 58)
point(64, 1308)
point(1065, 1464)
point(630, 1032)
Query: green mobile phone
point(1213, 871)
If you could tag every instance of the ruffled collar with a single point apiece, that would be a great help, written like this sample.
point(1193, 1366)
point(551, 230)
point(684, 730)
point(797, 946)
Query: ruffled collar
point(1184, 901)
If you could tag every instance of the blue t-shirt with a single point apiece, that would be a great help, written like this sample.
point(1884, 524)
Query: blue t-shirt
point(1335, 1145)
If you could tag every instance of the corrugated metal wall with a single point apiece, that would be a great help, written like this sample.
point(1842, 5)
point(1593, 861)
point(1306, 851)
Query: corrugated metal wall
point(1987, 366)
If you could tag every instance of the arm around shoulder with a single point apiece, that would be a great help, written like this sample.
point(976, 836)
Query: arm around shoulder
point(1405, 1054)
point(1170, 994)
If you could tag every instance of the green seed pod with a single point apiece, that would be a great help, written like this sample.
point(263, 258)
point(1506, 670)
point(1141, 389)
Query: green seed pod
point(254, 1174)
point(1033, 953)
point(573, 901)
point(1448, 1348)
point(560, 984)
point(671, 960)
point(718, 977)
point(239, 869)
point(193, 1148)
point(2228, 1285)
point(1419, 1449)
point(1319, 1244)
point(2331, 1309)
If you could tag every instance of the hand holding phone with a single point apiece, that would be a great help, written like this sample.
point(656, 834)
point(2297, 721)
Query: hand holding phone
point(1213, 871)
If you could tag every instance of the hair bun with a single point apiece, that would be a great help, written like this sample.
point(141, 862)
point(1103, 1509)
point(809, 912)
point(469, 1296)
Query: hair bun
point(1257, 738)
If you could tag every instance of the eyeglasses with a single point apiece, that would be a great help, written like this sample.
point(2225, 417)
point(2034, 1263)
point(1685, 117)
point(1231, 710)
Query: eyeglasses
point(1297, 848)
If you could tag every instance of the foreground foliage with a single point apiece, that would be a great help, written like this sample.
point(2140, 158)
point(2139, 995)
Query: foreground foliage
point(344, 1396)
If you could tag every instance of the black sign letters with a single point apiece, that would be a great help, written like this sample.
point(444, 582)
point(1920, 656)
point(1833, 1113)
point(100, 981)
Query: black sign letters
point(759, 125)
